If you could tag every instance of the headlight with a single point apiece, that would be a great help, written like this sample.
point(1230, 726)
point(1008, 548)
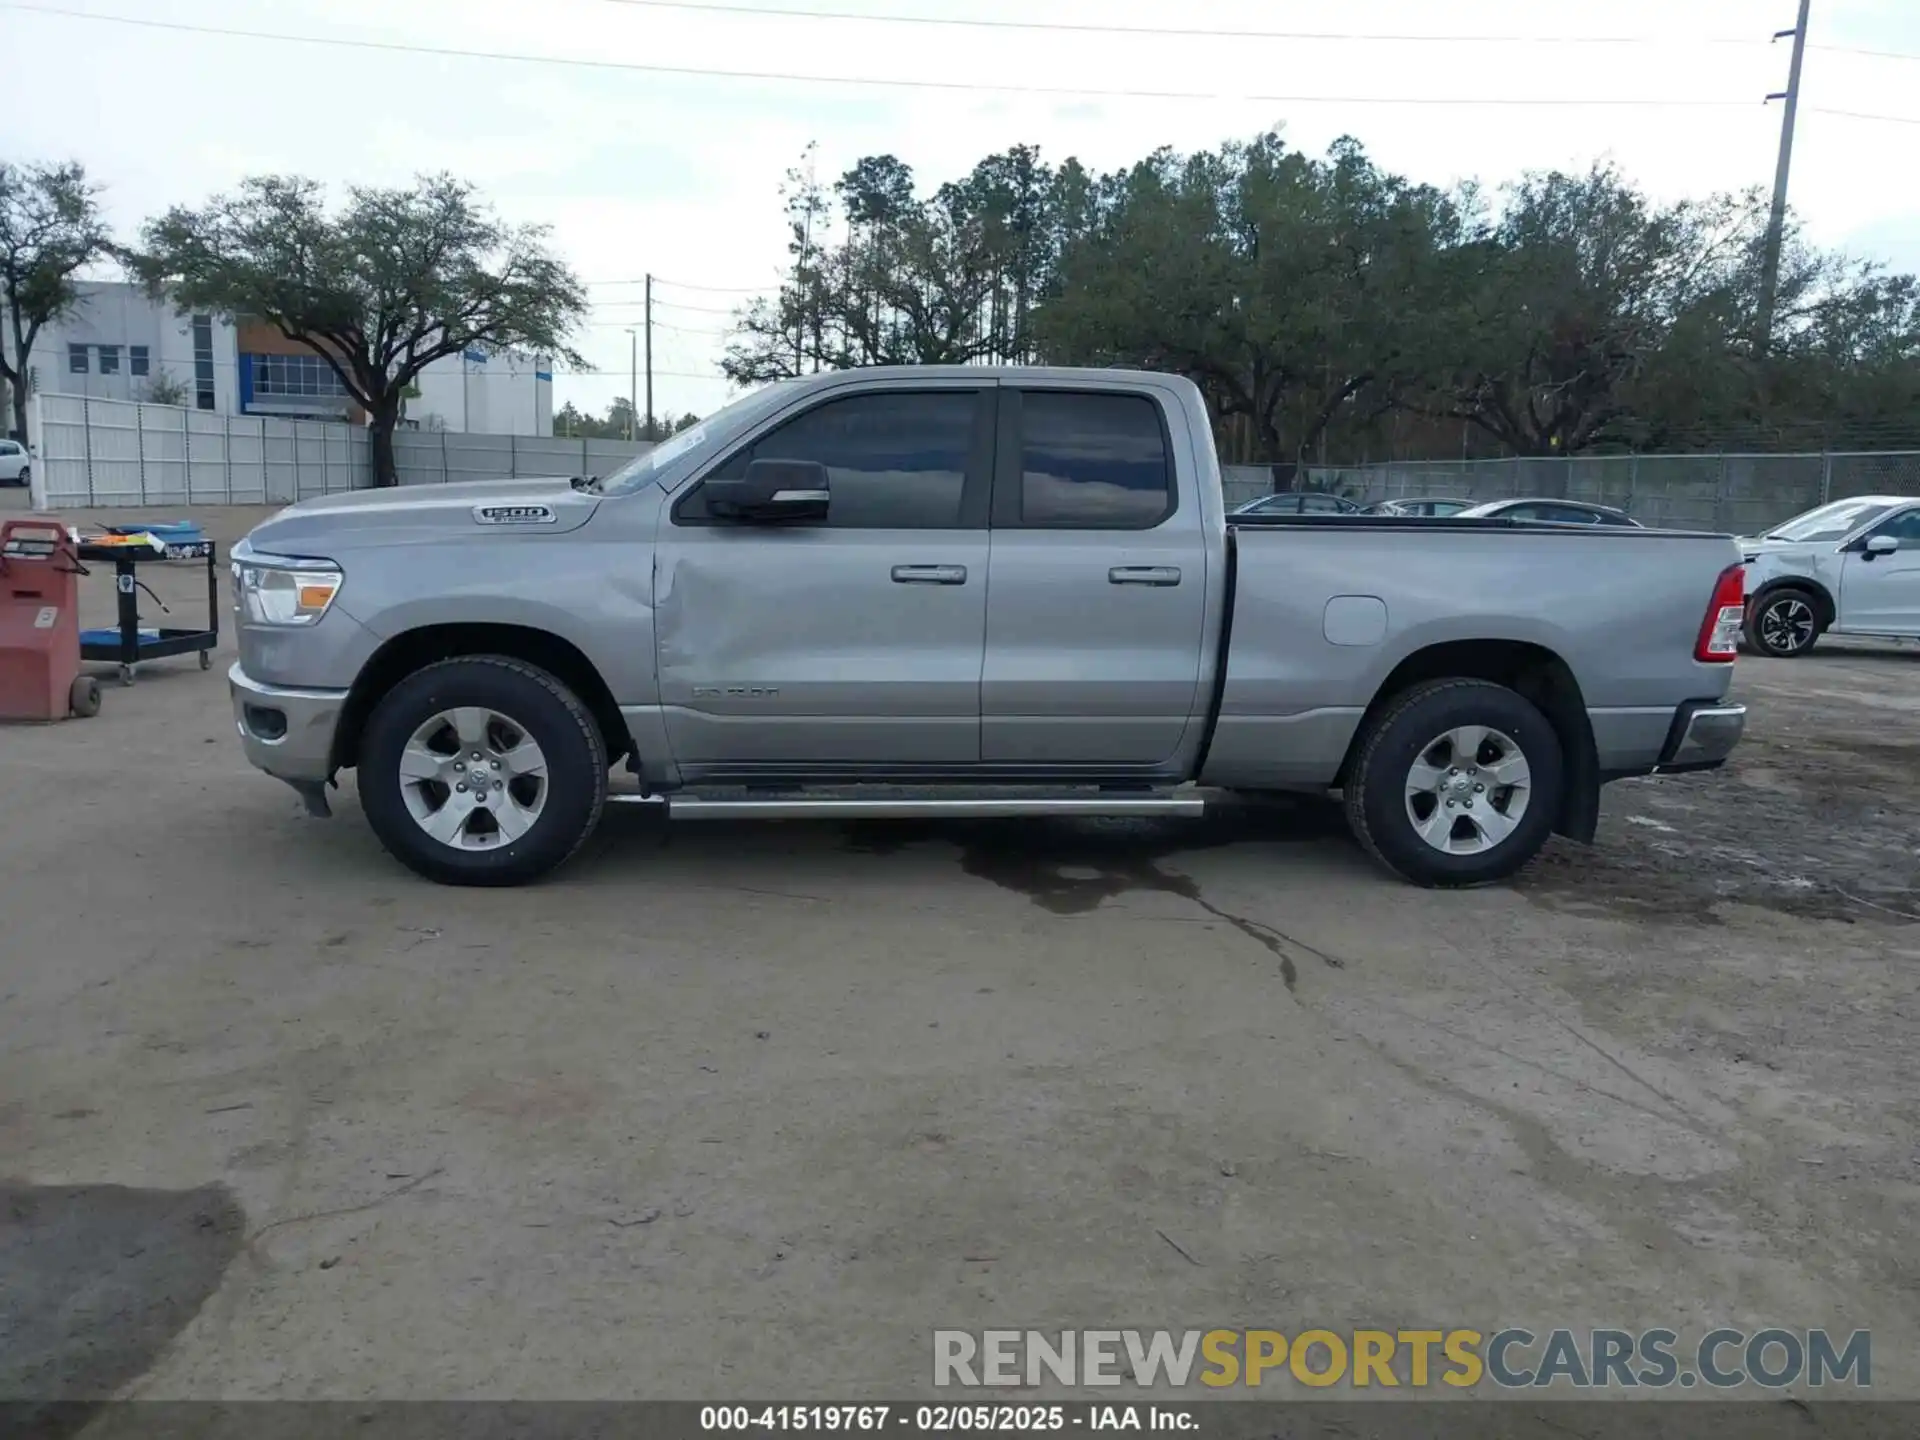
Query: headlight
point(273, 591)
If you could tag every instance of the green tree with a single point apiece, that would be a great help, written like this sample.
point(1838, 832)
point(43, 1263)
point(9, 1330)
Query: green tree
point(50, 229)
point(397, 279)
point(1282, 285)
point(165, 388)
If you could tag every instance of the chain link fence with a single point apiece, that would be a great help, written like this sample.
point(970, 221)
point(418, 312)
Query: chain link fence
point(1738, 494)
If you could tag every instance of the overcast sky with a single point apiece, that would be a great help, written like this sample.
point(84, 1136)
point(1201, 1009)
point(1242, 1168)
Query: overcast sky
point(677, 174)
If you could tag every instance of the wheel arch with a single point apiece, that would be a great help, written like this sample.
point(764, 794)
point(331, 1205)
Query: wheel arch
point(1536, 673)
point(1825, 610)
point(414, 650)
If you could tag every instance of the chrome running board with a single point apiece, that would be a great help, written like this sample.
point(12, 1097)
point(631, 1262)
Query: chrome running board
point(1122, 804)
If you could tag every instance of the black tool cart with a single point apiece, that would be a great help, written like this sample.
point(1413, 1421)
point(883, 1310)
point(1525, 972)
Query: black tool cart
point(130, 643)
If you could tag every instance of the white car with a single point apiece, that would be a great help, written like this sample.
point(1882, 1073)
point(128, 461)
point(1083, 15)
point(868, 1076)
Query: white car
point(15, 463)
point(1851, 567)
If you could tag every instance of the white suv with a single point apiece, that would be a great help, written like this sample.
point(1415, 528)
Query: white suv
point(1851, 567)
point(15, 463)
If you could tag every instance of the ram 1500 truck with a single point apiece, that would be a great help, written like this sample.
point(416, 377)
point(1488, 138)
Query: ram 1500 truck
point(963, 592)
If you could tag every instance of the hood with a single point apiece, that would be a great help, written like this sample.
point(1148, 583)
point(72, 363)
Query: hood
point(1761, 545)
point(483, 509)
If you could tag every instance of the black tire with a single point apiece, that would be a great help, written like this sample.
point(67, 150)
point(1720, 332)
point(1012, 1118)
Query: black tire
point(1375, 792)
point(549, 714)
point(25, 477)
point(1783, 622)
point(83, 696)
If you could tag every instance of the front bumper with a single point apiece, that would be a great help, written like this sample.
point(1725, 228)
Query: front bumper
point(288, 733)
point(1704, 734)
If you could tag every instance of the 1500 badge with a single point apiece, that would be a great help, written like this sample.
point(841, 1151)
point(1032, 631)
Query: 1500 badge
point(514, 514)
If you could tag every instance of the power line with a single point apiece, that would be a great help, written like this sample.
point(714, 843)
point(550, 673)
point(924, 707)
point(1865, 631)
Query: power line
point(680, 285)
point(621, 373)
point(1864, 50)
point(1863, 115)
point(1068, 27)
point(676, 305)
point(886, 82)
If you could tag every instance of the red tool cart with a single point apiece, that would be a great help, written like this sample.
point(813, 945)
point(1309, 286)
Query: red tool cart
point(40, 675)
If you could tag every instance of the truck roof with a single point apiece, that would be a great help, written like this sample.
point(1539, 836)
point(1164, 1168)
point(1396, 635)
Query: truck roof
point(1082, 373)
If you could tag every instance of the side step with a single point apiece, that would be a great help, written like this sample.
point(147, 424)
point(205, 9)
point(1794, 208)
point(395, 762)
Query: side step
point(895, 805)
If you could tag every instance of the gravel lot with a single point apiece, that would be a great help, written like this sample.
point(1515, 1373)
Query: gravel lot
point(751, 1109)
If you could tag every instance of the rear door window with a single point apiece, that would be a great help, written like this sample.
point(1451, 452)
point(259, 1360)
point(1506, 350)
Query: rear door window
point(1087, 461)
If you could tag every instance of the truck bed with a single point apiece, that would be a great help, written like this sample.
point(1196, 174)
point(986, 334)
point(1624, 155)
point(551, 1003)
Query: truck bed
point(1324, 611)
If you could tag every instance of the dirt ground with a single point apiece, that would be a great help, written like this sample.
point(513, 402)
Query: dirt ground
point(752, 1109)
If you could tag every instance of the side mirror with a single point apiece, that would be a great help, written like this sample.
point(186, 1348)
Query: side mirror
point(772, 492)
point(1881, 544)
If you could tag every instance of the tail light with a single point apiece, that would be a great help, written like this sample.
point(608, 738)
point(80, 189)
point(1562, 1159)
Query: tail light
point(1719, 638)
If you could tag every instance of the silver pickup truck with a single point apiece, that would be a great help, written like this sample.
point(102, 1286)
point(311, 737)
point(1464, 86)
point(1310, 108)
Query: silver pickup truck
point(963, 592)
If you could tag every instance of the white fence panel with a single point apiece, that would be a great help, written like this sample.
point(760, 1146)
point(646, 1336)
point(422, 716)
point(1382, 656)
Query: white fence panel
point(163, 453)
point(113, 452)
point(209, 480)
point(560, 457)
point(478, 457)
point(419, 459)
point(118, 452)
point(283, 469)
point(60, 474)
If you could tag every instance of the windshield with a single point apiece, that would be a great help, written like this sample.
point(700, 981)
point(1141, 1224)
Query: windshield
point(717, 426)
point(1830, 522)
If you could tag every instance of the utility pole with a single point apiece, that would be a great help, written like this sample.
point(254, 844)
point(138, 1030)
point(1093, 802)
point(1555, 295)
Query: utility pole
point(633, 378)
point(650, 430)
point(1777, 222)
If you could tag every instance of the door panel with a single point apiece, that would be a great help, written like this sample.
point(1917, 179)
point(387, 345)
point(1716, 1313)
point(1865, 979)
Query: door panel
point(1883, 594)
point(855, 643)
point(1097, 591)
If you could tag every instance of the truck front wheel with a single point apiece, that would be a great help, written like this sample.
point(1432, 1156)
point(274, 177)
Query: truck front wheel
point(1456, 782)
point(483, 770)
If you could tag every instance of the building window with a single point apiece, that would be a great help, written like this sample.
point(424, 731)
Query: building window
point(136, 359)
point(109, 359)
point(203, 392)
point(77, 359)
point(295, 377)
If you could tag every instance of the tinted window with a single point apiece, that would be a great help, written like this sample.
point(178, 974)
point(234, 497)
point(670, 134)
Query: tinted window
point(1904, 528)
point(1093, 461)
point(1563, 515)
point(137, 359)
point(894, 460)
point(77, 359)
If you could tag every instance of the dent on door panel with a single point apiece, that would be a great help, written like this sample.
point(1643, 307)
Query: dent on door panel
point(805, 650)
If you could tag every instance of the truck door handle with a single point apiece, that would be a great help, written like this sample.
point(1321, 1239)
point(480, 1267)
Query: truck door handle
point(1144, 575)
point(929, 574)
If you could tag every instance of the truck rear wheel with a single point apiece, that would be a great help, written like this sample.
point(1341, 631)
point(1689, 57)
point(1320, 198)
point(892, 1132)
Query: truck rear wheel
point(482, 771)
point(1456, 783)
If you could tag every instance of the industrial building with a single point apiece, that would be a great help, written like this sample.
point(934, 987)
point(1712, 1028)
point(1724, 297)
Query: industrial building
point(119, 344)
